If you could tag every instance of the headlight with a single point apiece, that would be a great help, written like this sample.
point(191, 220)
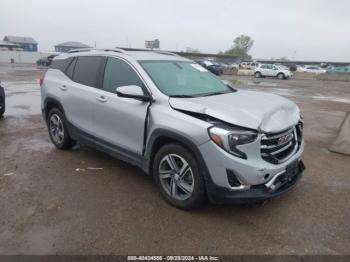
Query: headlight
point(229, 139)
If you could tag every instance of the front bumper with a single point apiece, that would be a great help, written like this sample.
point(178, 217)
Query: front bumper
point(257, 193)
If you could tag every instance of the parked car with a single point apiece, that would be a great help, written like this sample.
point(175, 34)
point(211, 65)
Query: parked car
point(300, 68)
point(313, 69)
point(233, 66)
point(249, 65)
point(243, 65)
point(43, 62)
point(270, 70)
point(223, 65)
point(2, 100)
point(198, 137)
point(339, 70)
point(207, 63)
point(200, 62)
point(215, 69)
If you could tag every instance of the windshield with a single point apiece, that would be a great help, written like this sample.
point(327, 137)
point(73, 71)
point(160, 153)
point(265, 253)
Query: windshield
point(184, 79)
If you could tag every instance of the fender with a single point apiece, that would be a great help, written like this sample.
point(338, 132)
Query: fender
point(160, 132)
point(53, 101)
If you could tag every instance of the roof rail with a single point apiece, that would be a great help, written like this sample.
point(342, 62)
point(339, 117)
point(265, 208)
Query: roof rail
point(165, 53)
point(79, 50)
point(147, 50)
point(97, 49)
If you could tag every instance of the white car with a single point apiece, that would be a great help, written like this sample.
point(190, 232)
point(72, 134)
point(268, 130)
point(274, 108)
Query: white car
point(271, 70)
point(300, 68)
point(313, 69)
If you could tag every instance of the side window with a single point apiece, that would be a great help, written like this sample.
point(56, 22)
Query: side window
point(61, 64)
point(119, 73)
point(70, 69)
point(264, 66)
point(87, 70)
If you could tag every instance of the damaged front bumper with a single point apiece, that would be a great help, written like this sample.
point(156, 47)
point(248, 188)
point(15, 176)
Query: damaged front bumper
point(279, 184)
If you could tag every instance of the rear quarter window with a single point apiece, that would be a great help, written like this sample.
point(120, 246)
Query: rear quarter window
point(61, 64)
point(87, 70)
point(70, 70)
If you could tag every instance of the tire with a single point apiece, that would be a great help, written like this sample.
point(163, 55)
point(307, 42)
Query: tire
point(58, 131)
point(258, 75)
point(181, 187)
point(281, 76)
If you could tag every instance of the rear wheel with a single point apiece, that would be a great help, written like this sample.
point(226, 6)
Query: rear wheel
point(281, 76)
point(177, 175)
point(258, 75)
point(58, 130)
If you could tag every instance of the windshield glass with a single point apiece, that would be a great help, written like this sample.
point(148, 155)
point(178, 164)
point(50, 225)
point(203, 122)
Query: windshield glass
point(184, 79)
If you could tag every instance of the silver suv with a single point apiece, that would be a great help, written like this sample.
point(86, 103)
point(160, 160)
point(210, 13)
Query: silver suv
point(198, 137)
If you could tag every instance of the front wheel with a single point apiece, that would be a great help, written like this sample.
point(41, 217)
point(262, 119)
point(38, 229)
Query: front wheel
point(281, 76)
point(258, 75)
point(178, 177)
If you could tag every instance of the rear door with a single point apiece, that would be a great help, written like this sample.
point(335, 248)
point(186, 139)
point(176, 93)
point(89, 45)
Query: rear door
point(274, 70)
point(118, 121)
point(263, 70)
point(85, 72)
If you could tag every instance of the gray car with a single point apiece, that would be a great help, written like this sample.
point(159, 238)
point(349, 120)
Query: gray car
point(198, 137)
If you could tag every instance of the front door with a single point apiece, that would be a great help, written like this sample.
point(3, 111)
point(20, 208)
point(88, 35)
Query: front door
point(119, 122)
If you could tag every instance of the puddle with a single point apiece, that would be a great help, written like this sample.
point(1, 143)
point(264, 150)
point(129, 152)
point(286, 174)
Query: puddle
point(38, 144)
point(22, 98)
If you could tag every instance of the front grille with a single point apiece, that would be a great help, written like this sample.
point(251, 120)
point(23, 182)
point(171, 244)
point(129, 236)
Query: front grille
point(279, 147)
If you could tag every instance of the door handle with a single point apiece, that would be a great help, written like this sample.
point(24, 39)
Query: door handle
point(101, 99)
point(63, 88)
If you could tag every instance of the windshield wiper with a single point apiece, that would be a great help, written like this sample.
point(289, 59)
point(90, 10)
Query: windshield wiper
point(182, 96)
point(215, 93)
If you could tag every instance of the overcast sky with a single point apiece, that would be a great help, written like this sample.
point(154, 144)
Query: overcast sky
point(298, 29)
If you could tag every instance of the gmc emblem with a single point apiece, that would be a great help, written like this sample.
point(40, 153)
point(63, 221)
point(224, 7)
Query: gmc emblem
point(285, 139)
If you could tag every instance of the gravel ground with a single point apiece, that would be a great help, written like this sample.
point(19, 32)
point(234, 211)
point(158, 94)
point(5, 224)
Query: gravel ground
point(48, 207)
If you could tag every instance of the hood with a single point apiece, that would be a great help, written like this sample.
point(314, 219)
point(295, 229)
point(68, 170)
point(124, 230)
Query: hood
point(255, 110)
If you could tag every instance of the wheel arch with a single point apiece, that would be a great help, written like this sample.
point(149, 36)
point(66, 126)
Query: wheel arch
point(161, 137)
point(49, 104)
point(281, 73)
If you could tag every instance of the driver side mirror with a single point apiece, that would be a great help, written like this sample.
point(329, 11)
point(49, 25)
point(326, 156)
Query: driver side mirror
point(132, 91)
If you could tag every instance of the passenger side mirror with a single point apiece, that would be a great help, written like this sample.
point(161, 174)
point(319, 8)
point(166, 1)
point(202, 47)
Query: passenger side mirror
point(132, 91)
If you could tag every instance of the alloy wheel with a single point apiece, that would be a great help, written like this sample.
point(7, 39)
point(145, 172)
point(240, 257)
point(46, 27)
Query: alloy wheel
point(176, 177)
point(56, 128)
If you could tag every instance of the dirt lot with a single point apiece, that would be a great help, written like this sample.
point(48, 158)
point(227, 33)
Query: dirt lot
point(48, 207)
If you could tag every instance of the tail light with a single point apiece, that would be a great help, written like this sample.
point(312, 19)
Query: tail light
point(42, 77)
